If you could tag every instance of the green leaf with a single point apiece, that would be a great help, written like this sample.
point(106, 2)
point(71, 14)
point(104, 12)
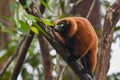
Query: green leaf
point(62, 4)
point(28, 3)
point(6, 75)
point(47, 22)
point(35, 30)
point(46, 5)
point(106, 4)
point(24, 73)
point(14, 5)
point(10, 19)
point(30, 17)
point(24, 26)
point(117, 28)
point(40, 29)
point(4, 28)
point(34, 63)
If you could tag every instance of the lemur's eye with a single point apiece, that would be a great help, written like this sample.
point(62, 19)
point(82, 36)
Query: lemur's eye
point(62, 25)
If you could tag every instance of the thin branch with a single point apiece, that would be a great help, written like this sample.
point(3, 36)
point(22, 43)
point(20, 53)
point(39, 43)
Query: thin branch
point(62, 72)
point(57, 67)
point(11, 58)
point(22, 55)
point(91, 8)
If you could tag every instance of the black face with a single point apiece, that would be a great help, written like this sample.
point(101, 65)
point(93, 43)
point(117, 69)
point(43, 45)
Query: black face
point(62, 27)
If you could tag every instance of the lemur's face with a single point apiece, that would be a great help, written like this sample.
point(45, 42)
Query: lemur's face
point(62, 26)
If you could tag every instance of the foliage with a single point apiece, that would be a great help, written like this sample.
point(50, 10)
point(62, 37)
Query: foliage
point(43, 2)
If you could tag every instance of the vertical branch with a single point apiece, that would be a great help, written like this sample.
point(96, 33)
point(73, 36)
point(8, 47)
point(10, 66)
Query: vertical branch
point(111, 18)
point(46, 58)
point(57, 67)
point(45, 52)
point(90, 10)
point(22, 55)
point(62, 72)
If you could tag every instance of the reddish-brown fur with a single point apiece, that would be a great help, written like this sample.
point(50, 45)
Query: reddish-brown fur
point(85, 39)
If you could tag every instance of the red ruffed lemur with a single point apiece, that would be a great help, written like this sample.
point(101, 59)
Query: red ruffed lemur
point(79, 37)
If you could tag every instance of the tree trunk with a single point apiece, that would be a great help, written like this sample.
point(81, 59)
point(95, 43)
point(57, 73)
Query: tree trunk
point(111, 18)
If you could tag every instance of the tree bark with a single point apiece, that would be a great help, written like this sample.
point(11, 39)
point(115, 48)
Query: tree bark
point(111, 18)
point(22, 54)
point(46, 58)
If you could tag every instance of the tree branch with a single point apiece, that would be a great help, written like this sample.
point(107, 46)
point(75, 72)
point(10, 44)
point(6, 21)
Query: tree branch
point(46, 57)
point(90, 10)
point(11, 58)
point(111, 18)
point(22, 54)
point(62, 72)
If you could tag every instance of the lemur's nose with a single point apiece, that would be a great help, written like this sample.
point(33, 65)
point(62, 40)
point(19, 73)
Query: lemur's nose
point(56, 28)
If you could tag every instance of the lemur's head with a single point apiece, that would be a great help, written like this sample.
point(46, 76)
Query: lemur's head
point(65, 27)
point(62, 27)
